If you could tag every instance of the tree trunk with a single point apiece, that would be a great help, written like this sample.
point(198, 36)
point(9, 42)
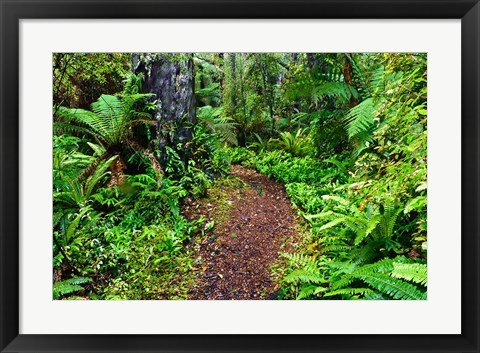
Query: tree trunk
point(348, 75)
point(172, 79)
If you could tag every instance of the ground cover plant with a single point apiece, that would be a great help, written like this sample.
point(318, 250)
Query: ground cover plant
point(240, 176)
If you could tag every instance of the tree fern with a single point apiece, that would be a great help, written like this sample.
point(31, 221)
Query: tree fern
point(210, 94)
point(318, 86)
point(340, 90)
point(110, 123)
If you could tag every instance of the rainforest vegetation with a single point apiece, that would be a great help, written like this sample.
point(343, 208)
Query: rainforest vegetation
point(240, 176)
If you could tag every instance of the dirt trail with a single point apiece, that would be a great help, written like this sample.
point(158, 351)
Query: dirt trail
point(235, 261)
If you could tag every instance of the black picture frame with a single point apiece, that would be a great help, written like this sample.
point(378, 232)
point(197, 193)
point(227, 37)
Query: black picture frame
point(13, 10)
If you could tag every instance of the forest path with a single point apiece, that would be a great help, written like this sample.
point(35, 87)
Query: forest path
point(254, 220)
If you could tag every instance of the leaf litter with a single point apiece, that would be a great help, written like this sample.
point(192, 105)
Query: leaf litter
point(252, 227)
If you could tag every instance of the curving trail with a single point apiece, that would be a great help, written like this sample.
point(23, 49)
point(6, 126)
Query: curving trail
point(235, 262)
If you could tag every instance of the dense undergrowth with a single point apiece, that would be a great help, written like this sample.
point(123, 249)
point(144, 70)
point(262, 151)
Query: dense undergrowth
point(366, 209)
point(129, 240)
point(345, 133)
point(123, 240)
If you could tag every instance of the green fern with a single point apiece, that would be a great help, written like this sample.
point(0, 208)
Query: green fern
point(393, 287)
point(350, 292)
point(412, 272)
point(210, 94)
point(69, 286)
point(74, 190)
point(371, 229)
point(309, 279)
point(360, 121)
point(387, 277)
point(132, 83)
point(306, 275)
point(318, 86)
point(308, 291)
point(215, 120)
point(110, 124)
point(297, 144)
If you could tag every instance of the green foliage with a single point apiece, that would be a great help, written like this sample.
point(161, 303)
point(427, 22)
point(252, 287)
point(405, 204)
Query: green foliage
point(216, 122)
point(307, 277)
point(81, 78)
point(345, 133)
point(296, 144)
point(69, 286)
point(412, 272)
point(110, 124)
point(383, 277)
point(361, 121)
point(393, 279)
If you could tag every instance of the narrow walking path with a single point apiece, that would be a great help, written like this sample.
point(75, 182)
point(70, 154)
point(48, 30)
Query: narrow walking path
point(252, 225)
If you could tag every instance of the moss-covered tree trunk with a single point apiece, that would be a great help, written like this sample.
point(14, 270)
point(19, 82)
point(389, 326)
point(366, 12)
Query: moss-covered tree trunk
point(172, 78)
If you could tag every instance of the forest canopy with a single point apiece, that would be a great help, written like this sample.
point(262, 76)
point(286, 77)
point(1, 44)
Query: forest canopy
point(240, 176)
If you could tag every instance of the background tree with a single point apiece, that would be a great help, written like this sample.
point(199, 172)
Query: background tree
point(79, 79)
point(171, 77)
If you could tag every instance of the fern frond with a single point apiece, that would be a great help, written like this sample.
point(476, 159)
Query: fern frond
point(377, 80)
point(301, 260)
point(341, 219)
point(111, 114)
point(77, 280)
point(336, 248)
point(374, 295)
point(132, 83)
point(349, 292)
point(309, 290)
point(360, 119)
point(69, 286)
point(305, 276)
point(383, 266)
point(413, 272)
point(67, 128)
point(99, 150)
point(72, 227)
point(393, 287)
point(366, 253)
point(343, 282)
point(333, 89)
point(82, 119)
point(389, 214)
point(218, 123)
point(100, 172)
point(365, 231)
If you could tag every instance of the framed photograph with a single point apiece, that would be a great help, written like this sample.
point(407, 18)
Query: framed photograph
point(239, 176)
